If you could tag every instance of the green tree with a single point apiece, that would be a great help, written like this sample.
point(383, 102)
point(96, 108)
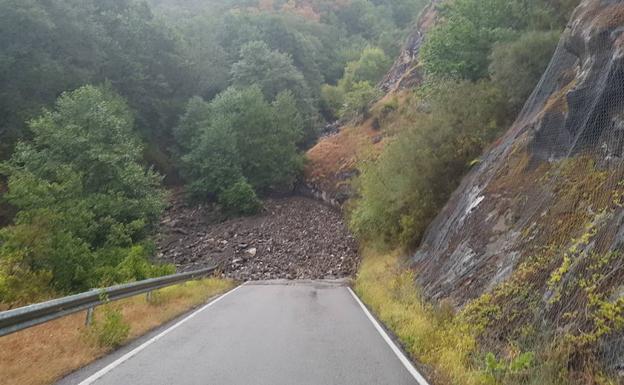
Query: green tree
point(357, 100)
point(82, 193)
point(265, 135)
point(517, 66)
point(272, 71)
point(240, 199)
point(239, 135)
point(356, 89)
point(371, 67)
point(461, 44)
point(208, 156)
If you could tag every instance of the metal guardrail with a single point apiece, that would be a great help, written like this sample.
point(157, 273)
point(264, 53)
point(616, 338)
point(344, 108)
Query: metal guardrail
point(21, 318)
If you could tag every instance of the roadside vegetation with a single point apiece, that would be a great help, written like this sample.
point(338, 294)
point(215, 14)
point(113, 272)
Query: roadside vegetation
point(464, 348)
point(551, 322)
point(45, 353)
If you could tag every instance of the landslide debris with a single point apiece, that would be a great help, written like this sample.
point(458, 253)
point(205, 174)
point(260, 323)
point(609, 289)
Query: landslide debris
point(293, 238)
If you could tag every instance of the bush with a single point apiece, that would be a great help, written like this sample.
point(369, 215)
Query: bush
point(111, 331)
point(357, 100)
point(403, 190)
point(351, 97)
point(517, 66)
point(332, 99)
point(241, 136)
point(134, 266)
point(240, 199)
point(20, 286)
point(461, 44)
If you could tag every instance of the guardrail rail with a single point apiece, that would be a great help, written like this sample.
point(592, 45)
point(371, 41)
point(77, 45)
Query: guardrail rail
point(21, 318)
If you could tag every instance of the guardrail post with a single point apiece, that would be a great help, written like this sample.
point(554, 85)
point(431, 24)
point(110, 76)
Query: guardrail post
point(89, 319)
point(148, 296)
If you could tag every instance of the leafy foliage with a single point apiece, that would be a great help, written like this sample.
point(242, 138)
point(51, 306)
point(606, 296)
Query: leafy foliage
point(53, 46)
point(517, 66)
point(404, 189)
point(84, 198)
point(274, 72)
point(356, 89)
point(461, 45)
point(240, 135)
point(111, 330)
point(240, 199)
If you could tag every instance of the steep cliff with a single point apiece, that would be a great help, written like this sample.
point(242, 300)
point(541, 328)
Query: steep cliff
point(405, 72)
point(571, 127)
point(538, 225)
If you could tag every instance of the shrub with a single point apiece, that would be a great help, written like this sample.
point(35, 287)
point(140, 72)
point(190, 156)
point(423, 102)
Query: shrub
point(517, 66)
point(332, 99)
point(403, 190)
point(240, 199)
point(356, 101)
point(351, 97)
point(461, 44)
point(242, 136)
point(111, 331)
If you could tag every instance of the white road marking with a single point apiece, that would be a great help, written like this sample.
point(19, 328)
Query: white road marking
point(132, 353)
point(407, 363)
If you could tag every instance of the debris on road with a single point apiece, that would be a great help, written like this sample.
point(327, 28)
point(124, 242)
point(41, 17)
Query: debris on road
point(293, 238)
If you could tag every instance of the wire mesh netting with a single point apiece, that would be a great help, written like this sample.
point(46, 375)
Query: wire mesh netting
point(531, 245)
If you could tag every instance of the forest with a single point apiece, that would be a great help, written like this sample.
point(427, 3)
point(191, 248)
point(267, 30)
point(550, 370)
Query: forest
point(106, 103)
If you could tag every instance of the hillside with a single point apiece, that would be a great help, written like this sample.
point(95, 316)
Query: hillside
point(333, 161)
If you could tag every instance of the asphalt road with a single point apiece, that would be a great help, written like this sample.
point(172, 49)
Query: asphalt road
point(271, 333)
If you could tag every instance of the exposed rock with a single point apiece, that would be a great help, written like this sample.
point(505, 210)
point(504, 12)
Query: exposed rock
point(333, 161)
point(513, 204)
point(405, 73)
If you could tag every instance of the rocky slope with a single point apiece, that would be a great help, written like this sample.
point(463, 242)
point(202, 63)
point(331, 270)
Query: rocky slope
point(538, 225)
point(572, 127)
point(405, 72)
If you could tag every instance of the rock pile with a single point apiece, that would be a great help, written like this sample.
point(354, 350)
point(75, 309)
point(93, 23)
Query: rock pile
point(294, 238)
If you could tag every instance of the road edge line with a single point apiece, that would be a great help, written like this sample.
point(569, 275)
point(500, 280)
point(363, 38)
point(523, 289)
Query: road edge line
point(102, 372)
point(397, 351)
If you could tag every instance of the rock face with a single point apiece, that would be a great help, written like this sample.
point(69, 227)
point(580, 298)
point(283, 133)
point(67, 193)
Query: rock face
point(404, 73)
point(333, 161)
point(552, 185)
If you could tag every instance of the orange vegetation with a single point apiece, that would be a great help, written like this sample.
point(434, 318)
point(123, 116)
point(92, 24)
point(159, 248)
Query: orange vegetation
point(43, 354)
point(340, 153)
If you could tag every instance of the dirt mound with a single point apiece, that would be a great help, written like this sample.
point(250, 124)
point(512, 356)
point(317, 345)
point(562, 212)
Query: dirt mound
point(294, 238)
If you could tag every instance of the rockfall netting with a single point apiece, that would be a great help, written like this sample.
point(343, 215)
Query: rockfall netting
point(531, 246)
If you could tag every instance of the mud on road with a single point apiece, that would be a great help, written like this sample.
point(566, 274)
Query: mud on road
point(293, 238)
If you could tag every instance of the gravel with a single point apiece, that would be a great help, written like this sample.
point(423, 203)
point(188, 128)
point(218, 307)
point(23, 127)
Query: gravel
point(293, 238)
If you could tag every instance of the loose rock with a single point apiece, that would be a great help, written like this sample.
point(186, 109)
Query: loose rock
point(294, 238)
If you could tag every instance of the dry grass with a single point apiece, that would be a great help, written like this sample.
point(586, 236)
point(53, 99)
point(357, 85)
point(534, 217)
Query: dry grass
point(338, 153)
point(430, 335)
point(45, 353)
